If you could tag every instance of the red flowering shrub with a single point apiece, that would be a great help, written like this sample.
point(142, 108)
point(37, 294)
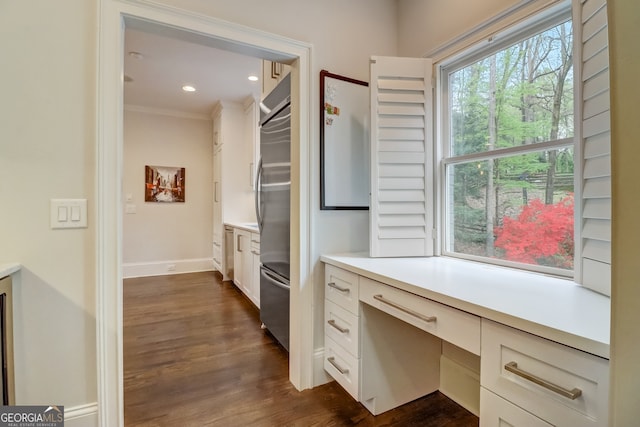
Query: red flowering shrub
point(540, 234)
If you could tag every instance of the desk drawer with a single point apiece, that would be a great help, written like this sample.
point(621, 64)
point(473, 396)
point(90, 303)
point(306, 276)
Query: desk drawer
point(342, 327)
point(561, 385)
point(341, 287)
point(342, 366)
point(455, 326)
point(497, 412)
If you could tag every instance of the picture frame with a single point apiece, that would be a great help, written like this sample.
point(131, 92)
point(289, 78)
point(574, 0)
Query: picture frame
point(164, 184)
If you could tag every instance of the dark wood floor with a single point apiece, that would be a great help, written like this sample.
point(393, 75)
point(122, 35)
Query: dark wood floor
point(194, 355)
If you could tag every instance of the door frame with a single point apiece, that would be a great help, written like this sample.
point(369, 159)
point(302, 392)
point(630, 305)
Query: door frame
point(112, 18)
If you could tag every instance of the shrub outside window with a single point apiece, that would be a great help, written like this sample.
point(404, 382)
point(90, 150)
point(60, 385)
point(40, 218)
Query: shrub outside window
point(508, 156)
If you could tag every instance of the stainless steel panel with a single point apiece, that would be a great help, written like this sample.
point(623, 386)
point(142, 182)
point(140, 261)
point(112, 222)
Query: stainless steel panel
point(274, 305)
point(275, 187)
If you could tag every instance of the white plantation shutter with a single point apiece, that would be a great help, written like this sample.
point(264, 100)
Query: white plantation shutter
point(594, 267)
point(402, 208)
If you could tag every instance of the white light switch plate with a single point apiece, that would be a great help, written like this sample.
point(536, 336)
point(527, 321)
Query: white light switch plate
point(68, 213)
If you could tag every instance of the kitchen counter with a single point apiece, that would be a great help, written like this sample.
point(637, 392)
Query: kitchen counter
point(247, 226)
point(8, 268)
point(550, 307)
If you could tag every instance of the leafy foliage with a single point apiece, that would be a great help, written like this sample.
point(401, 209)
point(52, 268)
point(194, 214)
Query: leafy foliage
point(514, 97)
point(541, 234)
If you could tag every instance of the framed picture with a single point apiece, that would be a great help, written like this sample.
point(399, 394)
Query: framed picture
point(164, 184)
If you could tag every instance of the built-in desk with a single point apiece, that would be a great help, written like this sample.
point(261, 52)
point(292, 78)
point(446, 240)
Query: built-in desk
point(543, 342)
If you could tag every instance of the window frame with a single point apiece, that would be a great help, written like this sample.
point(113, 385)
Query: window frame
point(507, 36)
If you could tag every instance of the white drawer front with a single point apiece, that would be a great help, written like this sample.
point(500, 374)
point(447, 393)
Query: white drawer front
point(342, 327)
point(455, 326)
point(342, 366)
point(497, 412)
point(341, 287)
point(505, 349)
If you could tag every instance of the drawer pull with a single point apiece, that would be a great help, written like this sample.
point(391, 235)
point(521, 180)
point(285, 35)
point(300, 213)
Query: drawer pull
point(338, 288)
point(340, 369)
point(405, 309)
point(570, 394)
point(338, 327)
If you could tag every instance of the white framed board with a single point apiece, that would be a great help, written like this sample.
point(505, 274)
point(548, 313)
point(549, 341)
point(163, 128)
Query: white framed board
point(344, 143)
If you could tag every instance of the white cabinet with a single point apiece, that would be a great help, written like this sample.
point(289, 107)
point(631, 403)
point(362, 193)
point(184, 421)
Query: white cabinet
point(242, 259)
point(251, 141)
point(558, 384)
point(232, 195)
point(246, 263)
point(362, 342)
point(218, 228)
point(383, 345)
point(341, 343)
point(497, 412)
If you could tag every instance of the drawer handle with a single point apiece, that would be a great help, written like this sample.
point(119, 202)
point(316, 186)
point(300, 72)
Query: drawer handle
point(338, 327)
point(428, 319)
point(340, 369)
point(338, 288)
point(255, 252)
point(570, 394)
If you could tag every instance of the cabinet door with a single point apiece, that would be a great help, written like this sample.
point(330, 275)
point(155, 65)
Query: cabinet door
point(218, 227)
point(255, 282)
point(247, 263)
point(239, 245)
point(497, 412)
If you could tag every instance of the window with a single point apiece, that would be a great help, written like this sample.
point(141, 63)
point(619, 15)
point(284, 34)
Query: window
point(508, 154)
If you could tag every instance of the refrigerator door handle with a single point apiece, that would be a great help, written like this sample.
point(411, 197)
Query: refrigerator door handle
point(257, 194)
point(276, 279)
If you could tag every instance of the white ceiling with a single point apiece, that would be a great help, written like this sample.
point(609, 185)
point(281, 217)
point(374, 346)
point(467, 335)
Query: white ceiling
point(168, 63)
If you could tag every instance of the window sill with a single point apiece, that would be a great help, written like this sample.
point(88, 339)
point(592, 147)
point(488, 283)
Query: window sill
point(550, 307)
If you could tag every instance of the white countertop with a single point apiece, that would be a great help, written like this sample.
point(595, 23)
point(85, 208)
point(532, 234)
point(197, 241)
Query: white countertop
point(248, 226)
point(554, 308)
point(8, 268)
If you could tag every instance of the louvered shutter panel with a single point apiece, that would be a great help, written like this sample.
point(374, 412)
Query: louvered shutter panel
point(402, 209)
point(595, 268)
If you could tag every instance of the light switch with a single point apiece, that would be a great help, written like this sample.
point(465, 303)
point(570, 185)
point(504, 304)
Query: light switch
point(130, 208)
point(62, 214)
point(75, 213)
point(68, 213)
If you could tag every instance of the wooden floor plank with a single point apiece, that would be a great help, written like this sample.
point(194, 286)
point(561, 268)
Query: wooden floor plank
point(194, 355)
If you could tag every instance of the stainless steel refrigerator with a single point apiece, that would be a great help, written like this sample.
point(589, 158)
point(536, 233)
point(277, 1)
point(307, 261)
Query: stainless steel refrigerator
point(273, 188)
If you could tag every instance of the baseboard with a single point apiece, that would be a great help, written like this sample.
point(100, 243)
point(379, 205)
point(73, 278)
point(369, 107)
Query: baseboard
point(460, 384)
point(162, 268)
point(81, 416)
point(320, 376)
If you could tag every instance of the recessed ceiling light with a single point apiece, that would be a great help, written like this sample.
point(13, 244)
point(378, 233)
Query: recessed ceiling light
point(136, 55)
point(188, 88)
point(253, 78)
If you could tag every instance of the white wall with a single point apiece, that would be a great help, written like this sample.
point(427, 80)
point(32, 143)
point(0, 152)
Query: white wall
point(167, 233)
point(624, 33)
point(47, 150)
point(425, 25)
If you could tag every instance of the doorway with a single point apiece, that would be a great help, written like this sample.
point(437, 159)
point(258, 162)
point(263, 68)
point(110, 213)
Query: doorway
point(114, 18)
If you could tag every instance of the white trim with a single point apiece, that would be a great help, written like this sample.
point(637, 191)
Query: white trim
point(82, 415)
point(167, 112)
point(486, 30)
point(320, 376)
point(112, 14)
point(164, 268)
point(578, 148)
